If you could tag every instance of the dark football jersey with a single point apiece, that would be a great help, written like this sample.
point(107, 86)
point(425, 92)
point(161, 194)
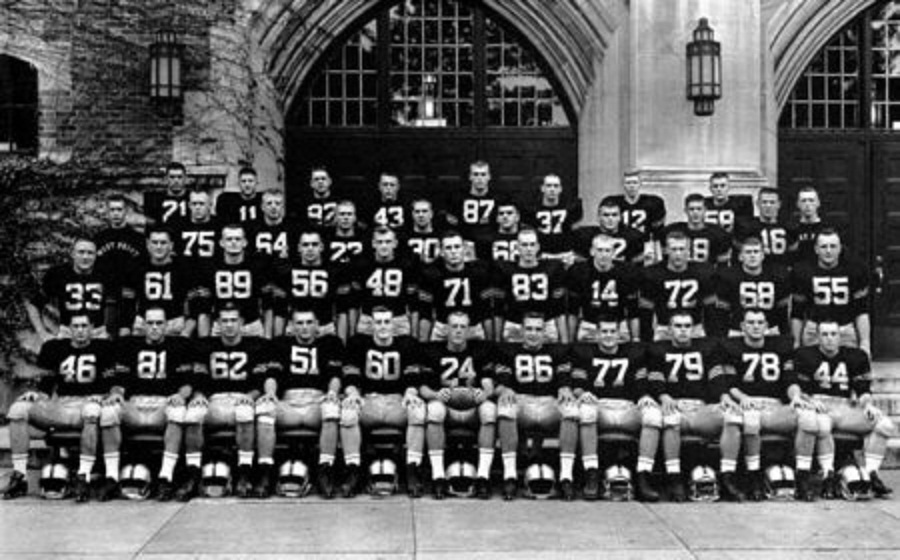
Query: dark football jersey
point(443, 291)
point(779, 240)
point(618, 375)
point(628, 243)
point(233, 208)
point(164, 208)
point(766, 371)
point(77, 371)
point(346, 250)
point(477, 215)
point(767, 291)
point(736, 207)
point(277, 242)
point(708, 245)
point(594, 294)
point(539, 371)
point(388, 369)
point(390, 284)
point(162, 368)
point(666, 291)
point(297, 365)
point(806, 239)
point(554, 225)
point(119, 250)
point(841, 375)
point(499, 247)
point(540, 289)
point(647, 214)
point(242, 284)
point(320, 212)
point(840, 293)
point(321, 289)
point(425, 246)
point(443, 366)
point(197, 242)
point(73, 293)
point(161, 285)
point(224, 368)
point(393, 214)
point(691, 372)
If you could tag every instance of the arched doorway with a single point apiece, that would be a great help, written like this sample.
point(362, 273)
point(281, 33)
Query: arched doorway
point(425, 87)
point(839, 131)
point(18, 106)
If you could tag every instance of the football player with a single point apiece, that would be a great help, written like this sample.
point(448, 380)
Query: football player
point(197, 237)
point(77, 392)
point(610, 383)
point(79, 286)
point(244, 206)
point(709, 243)
point(839, 379)
point(381, 380)
point(601, 287)
point(724, 209)
point(454, 284)
point(809, 223)
point(157, 372)
point(833, 287)
point(503, 245)
point(676, 284)
point(643, 212)
point(390, 208)
point(687, 378)
point(553, 218)
point(158, 281)
point(163, 207)
point(474, 211)
point(119, 246)
point(535, 394)
point(423, 241)
point(306, 368)
point(230, 377)
point(763, 382)
point(529, 284)
point(778, 238)
point(319, 207)
point(346, 241)
point(457, 385)
point(628, 242)
point(273, 235)
point(309, 283)
point(387, 280)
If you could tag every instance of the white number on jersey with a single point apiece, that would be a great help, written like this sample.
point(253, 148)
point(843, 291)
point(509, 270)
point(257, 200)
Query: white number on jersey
point(456, 372)
point(248, 213)
point(344, 250)
point(84, 296)
point(385, 282)
point(170, 207)
point(158, 285)
point(700, 249)
point(605, 365)
point(533, 286)
point(636, 218)
point(390, 216)
point(478, 211)
point(272, 245)
point(767, 363)
point(606, 293)
point(427, 248)
point(233, 284)
point(551, 221)
point(383, 365)
point(827, 377)
point(757, 295)
point(533, 368)
point(682, 293)
point(309, 283)
point(505, 250)
point(151, 364)
point(689, 362)
point(228, 365)
point(304, 360)
point(458, 292)
point(79, 369)
point(831, 290)
point(774, 241)
point(321, 213)
point(199, 243)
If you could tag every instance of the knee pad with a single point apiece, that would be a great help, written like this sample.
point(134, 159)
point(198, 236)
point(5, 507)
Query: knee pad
point(90, 412)
point(651, 417)
point(885, 427)
point(825, 424)
point(331, 411)
point(109, 416)
point(487, 413)
point(807, 421)
point(570, 411)
point(195, 414)
point(265, 409)
point(672, 420)
point(415, 415)
point(19, 410)
point(243, 413)
point(732, 417)
point(437, 412)
point(176, 414)
point(508, 411)
point(349, 416)
point(588, 413)
point(752, 422)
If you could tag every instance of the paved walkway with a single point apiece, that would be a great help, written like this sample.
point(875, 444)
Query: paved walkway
point(401, 528)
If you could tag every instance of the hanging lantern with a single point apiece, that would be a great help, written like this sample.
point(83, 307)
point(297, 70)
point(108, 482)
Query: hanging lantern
point(166, 56)
point(704, 70)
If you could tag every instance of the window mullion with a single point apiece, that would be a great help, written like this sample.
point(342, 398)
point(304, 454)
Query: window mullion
point(480, 79)
point(384, 70)
point(865, 70)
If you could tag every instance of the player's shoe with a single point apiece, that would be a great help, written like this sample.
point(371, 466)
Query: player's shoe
point(831, 486)
point(803, 491)
point(413, 481)
point(109, 490)
point(263, 488)
point(645, 490)
point(675, 486)
point(879, 488)
point(325, 481)
point(510, 489)
point(757, 491)
point(17, 486)
point(567, 490)
point(730, 489)
point(82, 490)
point(190, 488)
point(591, 484)
point(482, 488)
point(439, 488)
point(351, 483)
point(165, 490)
point(243, 487)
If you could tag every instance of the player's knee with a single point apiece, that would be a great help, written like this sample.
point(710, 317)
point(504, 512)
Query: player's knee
point(672, 421)
point(807, 421)
point(437, 412)
point(243, 413)
point(90, 412)
point(824, 424)
point(885, 427)
point(195, 414)
point(176, 414)
point(752, 422)
point(507, 411)
point(110, 416)
point(651, 417)
point(349, 416)
point(487, 413)
point(18, 411)
point(331, 411)
point(587, 413)
point(732, 417)
point(415, 415)
point(265, 413)
point(570, 411)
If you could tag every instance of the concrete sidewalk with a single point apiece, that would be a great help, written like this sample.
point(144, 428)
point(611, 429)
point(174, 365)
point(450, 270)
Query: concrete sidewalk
point(401, 528)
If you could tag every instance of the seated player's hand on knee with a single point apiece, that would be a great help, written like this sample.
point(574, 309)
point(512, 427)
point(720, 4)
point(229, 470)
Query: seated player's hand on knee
point(29, 396)
point(175, 400)
point(507, 398)
point(444, 394)
point(113, 399)
point(872, 412)
point(479, 395)
point(588, 398)
point(729, 405)
point(411, 398)
point(647, 401)
point(669, 405)
point(565, 397)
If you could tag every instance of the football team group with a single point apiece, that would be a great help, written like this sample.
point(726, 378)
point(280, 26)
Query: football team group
point(481, 315)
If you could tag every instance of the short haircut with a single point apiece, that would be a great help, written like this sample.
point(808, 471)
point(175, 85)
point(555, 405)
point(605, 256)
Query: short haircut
point(160, 228)
point(718, 175)
point(175, 166)
point(609, 202)
point(769, 190)
point(677, 235)
point(694, 197)
point(116, 197)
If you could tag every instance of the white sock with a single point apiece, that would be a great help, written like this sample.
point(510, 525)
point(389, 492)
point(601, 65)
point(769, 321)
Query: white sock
point(804, 463)
point(245, 457)
point(193, 459)
point(85, 466)
point(167, 469)
point(485, 459)
point(566, 462)
point(437, 463)
point(873, 462)
point(728, 465)
point(673, 466)
point(111, 462)
point(752, 463)
point(826, 462)
point(326, 459)
point(414, 458)
point(509, 465)
point(590, 462)
point(266, 460)
point(645, 464)
point(353, 459)
point(20, 462)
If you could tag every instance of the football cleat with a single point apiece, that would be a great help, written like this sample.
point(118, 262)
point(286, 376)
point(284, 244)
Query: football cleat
point(879, 488)
point(244, 486)
point(82, 490)
point(109, 490)
point(730, 489)
point(591, 484)
point(439, 488)
point(325, 481)
point(645, 490)
point(165, 490)
point(483, 488)
point(831, 486)
point(804, 490)
point(17, 486)
point(413, 481)
point(567, 489)
point(510, 487)
point(675, 486)
point(190, 488)
point(757, 490)
point(263, 487)
point(351, 484)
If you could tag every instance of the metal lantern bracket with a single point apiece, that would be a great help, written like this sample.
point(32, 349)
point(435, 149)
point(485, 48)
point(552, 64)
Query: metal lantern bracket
point(166, 56)
point(704, 69)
